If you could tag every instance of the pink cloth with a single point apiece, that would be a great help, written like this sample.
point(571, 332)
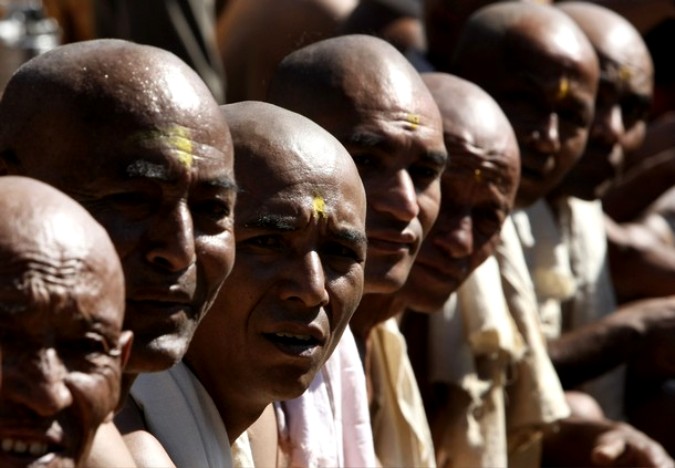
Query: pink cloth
point(329, 425)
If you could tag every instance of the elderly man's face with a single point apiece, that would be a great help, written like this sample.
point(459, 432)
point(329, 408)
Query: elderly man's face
point(549, 101)
point(618, 128)
point(61, 358)
point(298, 277)
point(477, 196)
point(165, 194)
point(400, 154)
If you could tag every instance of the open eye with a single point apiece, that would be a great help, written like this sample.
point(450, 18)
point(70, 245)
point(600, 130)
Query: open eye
point(213, 209)
point(337, 249)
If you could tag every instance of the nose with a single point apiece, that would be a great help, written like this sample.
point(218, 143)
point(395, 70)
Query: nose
point(608, 125)
point(457, 239)
point(546, 136)
point(39, 384)
point(172, 239)
point(397, 197)
point(305, 281)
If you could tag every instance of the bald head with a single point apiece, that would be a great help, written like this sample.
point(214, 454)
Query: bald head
point(357, 71)
point(624, 97)
point(106, 82)
point(541, 69)
point(134, 135)
point(299, 274)
point(478, 190)
point(47, 226)
point(61, 313)
point(365, 93)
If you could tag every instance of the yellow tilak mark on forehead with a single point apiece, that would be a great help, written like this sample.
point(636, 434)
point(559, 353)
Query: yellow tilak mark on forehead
point(180, 140)
point(319, 206)
point(413, 120)
point(563, 88)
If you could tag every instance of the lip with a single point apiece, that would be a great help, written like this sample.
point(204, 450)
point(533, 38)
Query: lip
point(392, 241)
point(448, 271)
point(32, 444)
point(295, 339)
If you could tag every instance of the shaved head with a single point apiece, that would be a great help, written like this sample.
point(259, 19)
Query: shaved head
point(478, 191)
point(543, 72)
point(61, 314)
point(133, 134)
point(364, 92)
point(624, 98)
point(301, 248)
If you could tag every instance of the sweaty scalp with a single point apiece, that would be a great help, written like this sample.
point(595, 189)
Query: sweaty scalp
point(364, 71)
point(104, 81)
point(494, 32)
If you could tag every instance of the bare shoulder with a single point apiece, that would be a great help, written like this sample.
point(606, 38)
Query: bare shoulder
point(144, 447)
point(109, 449)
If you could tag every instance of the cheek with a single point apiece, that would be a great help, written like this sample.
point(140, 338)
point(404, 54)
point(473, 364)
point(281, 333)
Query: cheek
point(96, 393)
point(345, 292)
point(429, 203)
point(216, 255)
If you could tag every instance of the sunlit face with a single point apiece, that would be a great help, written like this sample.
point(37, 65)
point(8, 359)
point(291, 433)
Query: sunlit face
point(399, 153)
point(165, 194)
point(618, 128)
point(548, 93)
point(61, 357)
point(298, 278)
point(477, 195)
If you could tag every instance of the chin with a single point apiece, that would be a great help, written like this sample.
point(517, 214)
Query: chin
point(160, 354)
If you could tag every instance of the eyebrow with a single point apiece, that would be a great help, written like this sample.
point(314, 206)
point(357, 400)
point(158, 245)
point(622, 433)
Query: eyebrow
point(373, 140)
point(351, 235)
point(273, 222)
point(223, 182)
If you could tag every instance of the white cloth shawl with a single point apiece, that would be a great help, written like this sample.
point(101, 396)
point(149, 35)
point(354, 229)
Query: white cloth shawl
point(180, 413)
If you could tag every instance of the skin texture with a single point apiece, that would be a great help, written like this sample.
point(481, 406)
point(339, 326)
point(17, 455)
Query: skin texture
point(543, 72)
point(363, 91)
point(154, 160)
point(622, 103)
point(61, 312)
point(301, 247)
point(474, 204)
point(443, 22)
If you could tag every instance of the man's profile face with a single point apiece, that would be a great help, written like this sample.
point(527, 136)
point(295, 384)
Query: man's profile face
point(298, 277)
point(549, 100)
point(165, 194)
point(61, 364)
point(399, 153)
point(618, 128)
point(477, 196)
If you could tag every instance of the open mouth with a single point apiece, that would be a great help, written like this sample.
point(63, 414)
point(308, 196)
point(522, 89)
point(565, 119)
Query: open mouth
point(295, 344)
point(29, 451)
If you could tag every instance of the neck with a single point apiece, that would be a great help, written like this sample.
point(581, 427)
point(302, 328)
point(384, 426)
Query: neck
point(372, 310)
point(237, 409)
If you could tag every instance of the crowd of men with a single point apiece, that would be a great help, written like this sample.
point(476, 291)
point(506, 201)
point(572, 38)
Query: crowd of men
point(418, 234)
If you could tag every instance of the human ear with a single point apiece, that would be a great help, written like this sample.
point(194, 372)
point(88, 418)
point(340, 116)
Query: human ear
point(125, 341)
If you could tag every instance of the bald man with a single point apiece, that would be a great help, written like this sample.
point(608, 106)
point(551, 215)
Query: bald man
point(543, 72)
point(61, 313)
point(464, 384)
point(618, 129)
point(301, 247)
point(392, 128)
point(134, 135)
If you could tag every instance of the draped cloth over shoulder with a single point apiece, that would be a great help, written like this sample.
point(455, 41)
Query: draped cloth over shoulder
point(329, 424)
point(181, 414)
point(575, 231)
point(400, 427)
